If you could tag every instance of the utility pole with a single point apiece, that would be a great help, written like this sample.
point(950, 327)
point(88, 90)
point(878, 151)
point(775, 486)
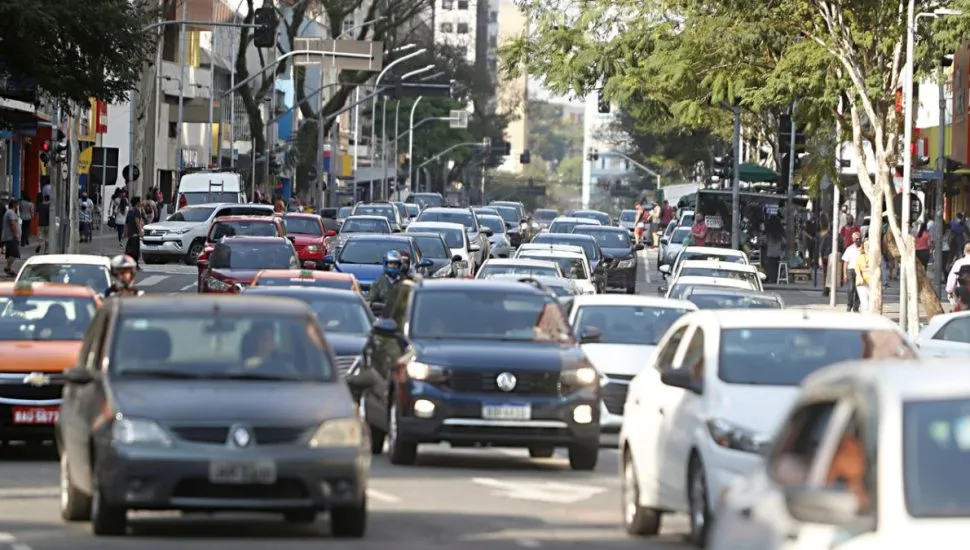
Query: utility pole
point(53, 228)
point(938, 195)
point(73, 183)
point(736, 182)
point(790, 196)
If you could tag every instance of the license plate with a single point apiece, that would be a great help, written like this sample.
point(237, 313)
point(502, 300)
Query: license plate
point(506, 411)
point(242, 472)
point(35, 415)
point(152, 240)
point(461, 265)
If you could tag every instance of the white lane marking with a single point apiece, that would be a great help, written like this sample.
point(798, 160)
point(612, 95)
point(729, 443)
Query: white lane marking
point(528, 543)
point(19, 546)
point(186, 288)
point(382, 496)
point(28, 492)
point(151, 280)
point(547, 491)
point(7, 537)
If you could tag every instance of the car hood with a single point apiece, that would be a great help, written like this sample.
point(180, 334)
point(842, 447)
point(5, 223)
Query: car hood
point(617, 253)
point(732, 402)
point(365, 273)
point(621, 359)
point(39, 355)
point(244, 276)
point(346, 344)
point(497, 355)
point(170, 226)
point(306, 240)
point(231, 401)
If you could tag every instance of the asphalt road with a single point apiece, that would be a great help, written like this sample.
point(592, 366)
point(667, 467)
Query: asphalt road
point(475, 499)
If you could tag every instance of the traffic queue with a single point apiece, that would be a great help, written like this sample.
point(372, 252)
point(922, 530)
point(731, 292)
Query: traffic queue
point(486, 326)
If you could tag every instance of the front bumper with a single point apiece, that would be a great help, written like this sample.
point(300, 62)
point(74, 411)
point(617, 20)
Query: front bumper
point(177, 478)
point(458, 418)
point(28, 412)
point(173, 248)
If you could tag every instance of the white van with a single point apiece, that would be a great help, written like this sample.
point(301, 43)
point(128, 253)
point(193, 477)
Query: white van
point(210, 187)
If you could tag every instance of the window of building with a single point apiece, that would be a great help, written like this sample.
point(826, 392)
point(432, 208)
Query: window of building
point(492, 41)
point(463, 4)
point(173, 130)
point(462, 28)
point(447, 28)
point(493, 17)
point(447, 4)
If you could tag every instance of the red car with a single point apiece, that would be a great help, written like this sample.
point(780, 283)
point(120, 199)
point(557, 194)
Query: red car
point(308, 236)
point(235, 261)
point(239, 226)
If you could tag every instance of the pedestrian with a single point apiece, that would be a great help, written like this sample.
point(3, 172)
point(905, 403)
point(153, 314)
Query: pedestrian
point(120, 215)
point(655, 215)
point(956, 276)
point(810, 236)
point(923, 243)
point(848, 231)
point(849, 274)
point(26, 215)
point(11, 236)
point(862, 266)
point(775, 247)
point(44, 222)
point(823, 250)
point(134, 221)
point(85, 219)
point(699, 231)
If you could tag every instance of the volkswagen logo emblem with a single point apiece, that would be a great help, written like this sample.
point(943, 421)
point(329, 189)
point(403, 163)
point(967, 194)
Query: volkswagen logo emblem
point(240, 437)
point(506, 381)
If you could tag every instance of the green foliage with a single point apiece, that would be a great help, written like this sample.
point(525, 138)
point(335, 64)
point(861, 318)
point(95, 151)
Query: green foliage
point(552, 137)
point(77, 50)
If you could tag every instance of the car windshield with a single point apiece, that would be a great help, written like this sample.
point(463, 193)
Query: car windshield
point(785, 356)
point(432, 247)
point(344, 211)
point(679, 235)
point(427, 200)
point(303, 226)
point(727, 300)
point(563, 226)
point(413, 210)
point(571, 266)
point(358, 225)
point(24, 318)
point(341, 284)
point(240, 228)
point(259, 346)
point(936, 451)
point(192, 214)
point(604, 219)
point(628, 216)
point(489, 270)
point(384, 211)
point(464, 217)
point(495, 223)
point(488, 315)
point(253, 256)
point(637, 325)
point(202, 197)
point(712, 272)
point(588, 246)
point(92, 276)
point(453, 237)
point(359, 251)
point(509, 213)
point(546, 215)
point(609, 238)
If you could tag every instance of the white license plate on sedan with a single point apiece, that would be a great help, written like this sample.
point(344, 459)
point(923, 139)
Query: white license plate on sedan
point(238, 472)
point(506, 411)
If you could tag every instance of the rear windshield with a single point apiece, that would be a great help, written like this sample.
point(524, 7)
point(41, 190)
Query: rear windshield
point(453, 237)
point(253, 256)
point(426, 201)
point(628, 215)
point(529, 270)
point(303, 226)
point(25, 318)
point(432, 247)
point(340, 284)
point(244, 228)
point(589, 248)
point(733, 301)
point(546, 215)
point(463, 217)
point(357, 225)
point(574, 268)
point(209, 197)
point(92, 276)
point(494, 223)
point(192, 214)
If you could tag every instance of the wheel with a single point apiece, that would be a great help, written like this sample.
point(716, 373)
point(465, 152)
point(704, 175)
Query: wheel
point(583, 456)
point(542, 452)
point(350, 522)
point(377, 435)
point(637, 520)
point(300, 516)
point(402, 453)
point(192, 255)
point(106, 518)
point(700, 514)
point(75, 505)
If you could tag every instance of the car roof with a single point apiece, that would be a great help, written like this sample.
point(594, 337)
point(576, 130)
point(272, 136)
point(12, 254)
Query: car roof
point(633, 300)
point(443, 209)
point(581, 221)
point(197, 304)
point(601, 227)
point(482, 216)
point(247, 218)
point(439, 225)
point(557, 252)
point(375, 203)
point(217, 204)
point(898, 379)
point(302, 291)
point(525, 262)
point(302, 274)
point(721, 290)
point(82, 259)
point(365, 217)
point(560, 236)
point(300, 215)
point(714, 264)
point(795, 318)
point(41, 288)
point(692, 280)
point(427, 234)
point(543, 279)
point(396, 237)
point(247, 239)
point(550, 247)
point(478, 284)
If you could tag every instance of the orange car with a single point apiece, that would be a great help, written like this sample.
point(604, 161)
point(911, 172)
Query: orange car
point(41, 329)
point(306, 277)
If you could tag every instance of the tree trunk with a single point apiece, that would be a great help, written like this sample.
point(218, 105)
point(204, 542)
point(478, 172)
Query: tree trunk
point(875, 245)
point(928, 299)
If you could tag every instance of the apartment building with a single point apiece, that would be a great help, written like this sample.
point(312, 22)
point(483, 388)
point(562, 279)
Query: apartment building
point(512, 94)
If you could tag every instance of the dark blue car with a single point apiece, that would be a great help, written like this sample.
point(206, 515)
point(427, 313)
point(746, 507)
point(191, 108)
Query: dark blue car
point(479, 362)
point(363, 256)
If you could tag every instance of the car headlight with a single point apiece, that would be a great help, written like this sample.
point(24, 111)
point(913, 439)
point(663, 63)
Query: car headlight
point(583, 376)
point(216, 284)
point(422, 371)
point(732, 436)
point(313, 248)
point(626, 264)
point(340, 432)
point(139, 431)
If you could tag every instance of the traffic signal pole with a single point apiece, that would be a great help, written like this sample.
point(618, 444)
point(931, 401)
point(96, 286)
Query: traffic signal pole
point(790, 196)
point(735, 182)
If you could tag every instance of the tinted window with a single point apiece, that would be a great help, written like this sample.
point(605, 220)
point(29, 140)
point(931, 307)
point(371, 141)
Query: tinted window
point(508, 213)
point(488, 315)
point(628, 324)
point(26, 318)
point(247, 228)
point(93, 276)
point(358, 225)
point(609, 238)
point(727, 300)
point(253, 256)
point(344, 211)
point(496, 224)
point(363, 251)
point(746, 276)
point(190, 214)
point(204, 197)
point(588, 246)
point(341, 284)
point(628, 216)
point(546, 215)
point(785, 356)
point(936, 451)
point(464, 217)
point(258, 345)
point(432, 247)
point(572, 267)
point(489, 270)
point(679, 235)
point(957, 330)
point(454, 238)
point(604, 219)
point(303, 226)
point(563, 227)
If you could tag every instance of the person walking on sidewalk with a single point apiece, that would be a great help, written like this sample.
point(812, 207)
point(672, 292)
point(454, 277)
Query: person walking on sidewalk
point(134, 221)
point(862, 277)
point(44, 222)
point(849, 274)
point(26, 215)
point(11, 236)
point(923, 243)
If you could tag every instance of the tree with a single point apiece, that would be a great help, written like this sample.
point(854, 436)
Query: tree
point(570, 170)
point(74, 52)
point(551, 138)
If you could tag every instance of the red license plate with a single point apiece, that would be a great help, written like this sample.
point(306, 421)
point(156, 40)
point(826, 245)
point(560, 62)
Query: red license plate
point(35, 415)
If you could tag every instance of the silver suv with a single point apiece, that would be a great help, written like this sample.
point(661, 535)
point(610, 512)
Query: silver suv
point(181, 237)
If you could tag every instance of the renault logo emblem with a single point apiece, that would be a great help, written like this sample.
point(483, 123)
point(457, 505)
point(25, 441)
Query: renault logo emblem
point(37, 379)
point(506, 381)
point(240, 437)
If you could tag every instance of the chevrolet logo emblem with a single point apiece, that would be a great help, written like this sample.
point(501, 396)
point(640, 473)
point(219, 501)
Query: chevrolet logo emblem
point(37, 379)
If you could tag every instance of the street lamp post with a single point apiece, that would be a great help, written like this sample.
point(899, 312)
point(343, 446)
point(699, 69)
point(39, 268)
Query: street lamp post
point(377, 83)
point(397, 111)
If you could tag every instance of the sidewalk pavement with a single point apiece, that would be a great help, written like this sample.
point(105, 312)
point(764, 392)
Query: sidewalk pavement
point(890, 306)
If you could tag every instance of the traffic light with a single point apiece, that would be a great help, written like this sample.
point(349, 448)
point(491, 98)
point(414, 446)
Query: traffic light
point(593, 155)
point(45, 155)
point(503, 149)
point(525, 158)
point(264, 35)
point(724, 167)
point(602, 105)
point(60, 147)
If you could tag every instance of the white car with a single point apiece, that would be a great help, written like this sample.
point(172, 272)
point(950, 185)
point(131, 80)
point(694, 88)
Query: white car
point(182, 235)
point(565, 224)
point(717, 387)
point(89, 270)
point(631, 326)
point(572, 262)
point(902, 426)
point(678, 289)
point(457, 239)
point(523, 267)
point(716, 269)
point(946, 335)
point(710, 253)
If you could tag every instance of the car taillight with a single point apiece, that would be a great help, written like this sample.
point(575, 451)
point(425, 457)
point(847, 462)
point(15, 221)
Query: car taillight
point(183, 202)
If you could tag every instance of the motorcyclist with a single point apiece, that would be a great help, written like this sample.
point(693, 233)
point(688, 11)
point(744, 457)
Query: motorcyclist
point(407, 269)
point(123, 270)
point(381, 289)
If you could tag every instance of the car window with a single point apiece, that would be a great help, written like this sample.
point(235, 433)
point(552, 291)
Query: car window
point(244, 211)
point(190, 214)
point(679, 235)
point(363, 251)
point(852, 466)
point(341, 284)
point(636, 325)
point(573, 268)
point(92, 276)
point(344, 212)
point(610, 239)
point(216, 345)
point(509, 214)
point(454, 238)
point(488, 315)
point(546, 215)
point(432, 247)
point(798, 443)
point(665, 359)
point(936, 451)
point(303, 226)
point(201, 197)
point(955, 330)
point(628, 216)
point(589, 247)
point(463, 217)
point(563, 227)
point(29, 318)
point(694, 356)
point(715, 273)
point(490, 270)
point(252, 256)
point(496, 224)
point(244, 228)
point(357, 225)
point(727, 300)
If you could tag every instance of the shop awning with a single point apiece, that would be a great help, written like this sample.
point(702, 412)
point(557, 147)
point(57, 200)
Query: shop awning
point(755, 173)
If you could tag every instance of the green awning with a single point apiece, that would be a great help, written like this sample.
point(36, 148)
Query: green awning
point(755, 173)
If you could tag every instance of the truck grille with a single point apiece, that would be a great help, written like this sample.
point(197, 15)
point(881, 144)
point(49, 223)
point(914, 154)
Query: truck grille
point(264, 435)
point(527, 383)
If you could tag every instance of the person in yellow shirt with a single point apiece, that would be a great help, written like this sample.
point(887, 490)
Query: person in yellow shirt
point(861, 266)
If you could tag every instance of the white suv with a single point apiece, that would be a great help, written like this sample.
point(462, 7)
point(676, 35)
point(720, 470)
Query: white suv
point(181, 237)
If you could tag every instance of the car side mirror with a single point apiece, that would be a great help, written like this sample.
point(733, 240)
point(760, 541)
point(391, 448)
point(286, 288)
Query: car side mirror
point(488, 232)
point(456, 258)
point(822, 505)
point(427, 262)
point(638, 247)
point(664, 241)
point(762, 276)
point(385, 327)
point(331, 233)
point(360, 381)
point(328, 260)
point(680, 378)
point(590, 335)
point(665, 269)
point(80, 376)
point(474, 248)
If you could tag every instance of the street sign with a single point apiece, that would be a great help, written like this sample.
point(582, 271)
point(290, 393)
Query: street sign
point(458, 119)
point(364, 54)
point(927, 175)
point(130, 173)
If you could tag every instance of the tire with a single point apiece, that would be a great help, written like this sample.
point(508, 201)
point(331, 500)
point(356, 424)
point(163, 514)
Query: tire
point(403, 453)
point(192, 255)
point(107, 520)
point(542, 452)
point(377, 435)
point(349, 522)
point(583, 457)
point(700, 514)
point(75, 505)
point(304, 517)
point(637, 520)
